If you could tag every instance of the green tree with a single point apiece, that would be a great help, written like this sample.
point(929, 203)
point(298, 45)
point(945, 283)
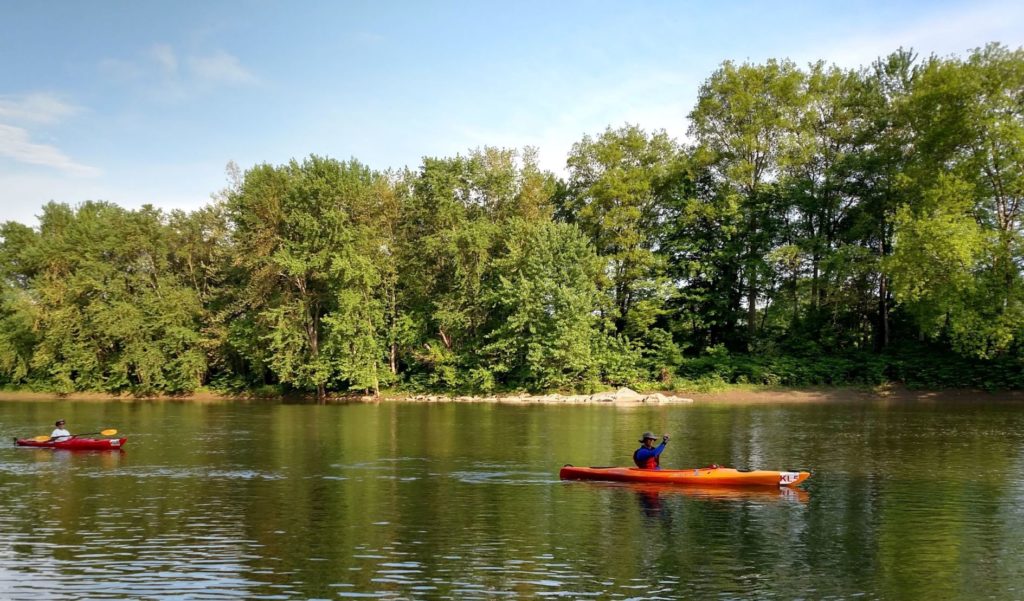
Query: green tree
point(541, 295)
point(969, 173)
point(112, 312)
point(877, 168)
point(451, 215)
point(744, 124)
point(19, 313)
point(614, 194)
point(311, 273)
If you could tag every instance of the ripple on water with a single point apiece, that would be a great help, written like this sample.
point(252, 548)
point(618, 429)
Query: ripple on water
point(504, 477)
point(180, 473)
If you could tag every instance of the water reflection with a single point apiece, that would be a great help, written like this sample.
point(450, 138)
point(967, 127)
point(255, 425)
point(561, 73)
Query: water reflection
point(650, 502)
point(65, 459)
point(710, 493)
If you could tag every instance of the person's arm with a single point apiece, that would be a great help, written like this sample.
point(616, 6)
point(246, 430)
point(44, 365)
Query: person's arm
point(643, 453)
point(661, 447)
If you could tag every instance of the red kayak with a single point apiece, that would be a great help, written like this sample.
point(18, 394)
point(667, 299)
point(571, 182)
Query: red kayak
point(703, 476)
point(75, 444)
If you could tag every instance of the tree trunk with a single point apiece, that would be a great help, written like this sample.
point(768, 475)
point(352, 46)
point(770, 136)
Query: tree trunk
point(814, 281)
point(313, 332)
point(393, 355)
point(752, 306)
point(883, 299)
point(883, 314)
point(752, 227)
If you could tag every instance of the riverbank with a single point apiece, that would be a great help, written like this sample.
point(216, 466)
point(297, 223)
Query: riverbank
point(622, 396)
point(730, 394)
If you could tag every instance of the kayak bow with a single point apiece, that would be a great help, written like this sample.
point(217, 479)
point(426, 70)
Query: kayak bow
point(704, 476)
point(75, 444)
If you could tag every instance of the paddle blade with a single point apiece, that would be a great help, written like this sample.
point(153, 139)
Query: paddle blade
point(41, 438)
point(109, 432)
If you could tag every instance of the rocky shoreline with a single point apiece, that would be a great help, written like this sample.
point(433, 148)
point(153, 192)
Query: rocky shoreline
point(622, 396)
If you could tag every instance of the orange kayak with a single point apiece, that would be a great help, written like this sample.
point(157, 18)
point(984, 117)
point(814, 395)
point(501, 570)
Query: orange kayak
point(702, 476)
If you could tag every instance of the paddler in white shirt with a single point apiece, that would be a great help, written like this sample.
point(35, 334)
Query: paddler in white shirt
point(59, 434)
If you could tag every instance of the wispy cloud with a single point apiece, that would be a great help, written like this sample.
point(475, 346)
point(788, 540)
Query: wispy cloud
point(221, 67)
point(16, 143)
point(578, 105)
point(169, 186)
point(368, 38)
point(953, 31)
point(35, 108)
point(170, 75)
point(165, 58)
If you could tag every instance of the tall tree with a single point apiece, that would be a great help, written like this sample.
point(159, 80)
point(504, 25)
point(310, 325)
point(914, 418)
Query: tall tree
point(450, 218)
point(112, 312)
point(744, 123)
point(19, 311)
point(541, 294)
point(613, 194)
point(310, 269)
point(968, 123)
point(886, 150)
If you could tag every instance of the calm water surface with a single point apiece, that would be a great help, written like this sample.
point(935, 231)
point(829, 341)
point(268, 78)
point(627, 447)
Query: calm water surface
point(404, 501)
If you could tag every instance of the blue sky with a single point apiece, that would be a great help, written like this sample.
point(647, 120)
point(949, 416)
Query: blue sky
point(146, 102)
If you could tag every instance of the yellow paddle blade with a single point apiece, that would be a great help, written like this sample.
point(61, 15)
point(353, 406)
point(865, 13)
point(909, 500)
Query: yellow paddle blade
point(109, 432)
point(41, 438)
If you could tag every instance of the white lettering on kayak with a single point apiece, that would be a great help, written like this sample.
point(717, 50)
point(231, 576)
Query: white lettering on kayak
point(788, 477)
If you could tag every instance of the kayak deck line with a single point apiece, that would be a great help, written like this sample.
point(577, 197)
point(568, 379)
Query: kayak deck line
point(702, 476)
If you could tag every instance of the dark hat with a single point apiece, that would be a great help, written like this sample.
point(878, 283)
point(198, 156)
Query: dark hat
point(648, 436)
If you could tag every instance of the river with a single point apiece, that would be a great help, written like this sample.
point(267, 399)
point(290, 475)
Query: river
point(463, 501)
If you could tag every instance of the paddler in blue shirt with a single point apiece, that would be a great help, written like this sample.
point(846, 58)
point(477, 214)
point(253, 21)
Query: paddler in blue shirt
point(648, 455)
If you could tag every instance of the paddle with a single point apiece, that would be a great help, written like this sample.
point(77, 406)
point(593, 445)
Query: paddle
point(109, 432)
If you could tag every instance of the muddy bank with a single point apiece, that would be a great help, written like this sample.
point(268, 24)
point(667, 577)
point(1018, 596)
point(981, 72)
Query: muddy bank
point(890, 393)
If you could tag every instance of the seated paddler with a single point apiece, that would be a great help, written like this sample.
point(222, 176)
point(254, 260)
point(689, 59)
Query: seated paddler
point(60, 433)
point(648, 456)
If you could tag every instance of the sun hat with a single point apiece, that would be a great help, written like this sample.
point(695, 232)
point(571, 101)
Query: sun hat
point(648, 435)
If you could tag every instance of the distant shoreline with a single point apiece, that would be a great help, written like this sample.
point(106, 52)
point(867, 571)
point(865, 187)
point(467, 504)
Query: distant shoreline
point(729, 395)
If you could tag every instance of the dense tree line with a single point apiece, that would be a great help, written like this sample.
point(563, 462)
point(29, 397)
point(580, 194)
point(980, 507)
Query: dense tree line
point(821, 225)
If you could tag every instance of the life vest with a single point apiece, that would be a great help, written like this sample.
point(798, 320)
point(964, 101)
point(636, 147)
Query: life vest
point(652, 463)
